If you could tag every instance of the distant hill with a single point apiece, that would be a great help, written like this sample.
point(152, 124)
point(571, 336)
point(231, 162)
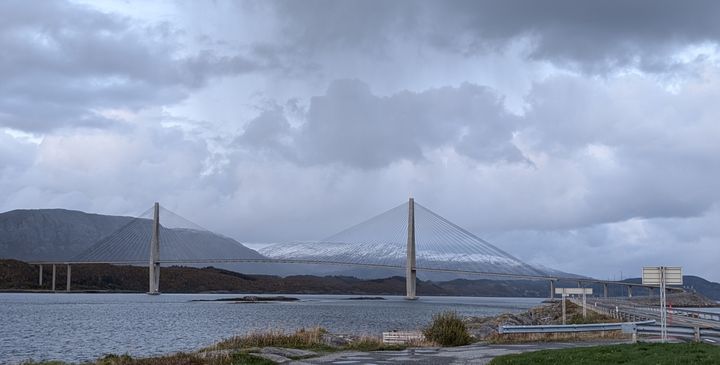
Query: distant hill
point(17, 275)
point(59, 234)
point(694, 283)
point(52, 233)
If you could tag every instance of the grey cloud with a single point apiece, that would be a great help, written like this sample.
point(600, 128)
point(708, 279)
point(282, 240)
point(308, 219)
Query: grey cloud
point(349, 125)
point(624, 247)
point(62, 62)
point(270, 131)
point(595, 37)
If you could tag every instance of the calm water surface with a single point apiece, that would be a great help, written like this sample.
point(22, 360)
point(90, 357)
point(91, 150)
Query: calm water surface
point(78, 327)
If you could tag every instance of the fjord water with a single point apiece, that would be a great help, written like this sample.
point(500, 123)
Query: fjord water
point(79, 327)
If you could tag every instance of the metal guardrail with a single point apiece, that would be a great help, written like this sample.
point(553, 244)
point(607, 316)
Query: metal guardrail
point(627, 311)
point(695, 313)
point(696, 334)
point(559, 328)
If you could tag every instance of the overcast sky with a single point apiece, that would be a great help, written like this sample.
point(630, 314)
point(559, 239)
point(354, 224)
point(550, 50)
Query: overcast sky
point(584, 136)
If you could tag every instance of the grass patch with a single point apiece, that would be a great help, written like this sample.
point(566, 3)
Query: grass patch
point(372, 344)
point(497, 338)
point(641, 354)
point(306, 339)
point(447, 329)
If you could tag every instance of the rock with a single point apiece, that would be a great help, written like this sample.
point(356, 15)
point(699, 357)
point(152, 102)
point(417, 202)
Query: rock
point(285, 352)
point(482, 327)
point(334, 340)
point(275, 358)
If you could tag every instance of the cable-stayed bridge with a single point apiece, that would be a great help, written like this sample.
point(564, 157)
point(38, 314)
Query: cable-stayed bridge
point(409, 237)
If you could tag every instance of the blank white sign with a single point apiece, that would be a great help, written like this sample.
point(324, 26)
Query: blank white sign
point(573, 291)
point(652, 275)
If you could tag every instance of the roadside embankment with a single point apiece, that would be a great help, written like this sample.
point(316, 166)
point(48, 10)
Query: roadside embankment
point(684, 299)
point(486, 328)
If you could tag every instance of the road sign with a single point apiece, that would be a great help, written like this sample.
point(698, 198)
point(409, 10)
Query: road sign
point(653, 275)
point(662, 275)
point(573, 291)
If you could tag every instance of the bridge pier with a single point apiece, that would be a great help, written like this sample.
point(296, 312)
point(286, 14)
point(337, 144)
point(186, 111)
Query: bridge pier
point(410, 270)
point(53, 278)
point(552, 289)
point(605, 290)
point(69, 278)
point(154, 264)
point(40, 278)
point(629, 291)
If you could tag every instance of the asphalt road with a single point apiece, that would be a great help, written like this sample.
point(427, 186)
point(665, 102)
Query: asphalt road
point(471, 354)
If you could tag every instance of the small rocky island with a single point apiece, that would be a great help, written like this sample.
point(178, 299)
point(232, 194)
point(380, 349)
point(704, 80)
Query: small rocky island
point(251, 299)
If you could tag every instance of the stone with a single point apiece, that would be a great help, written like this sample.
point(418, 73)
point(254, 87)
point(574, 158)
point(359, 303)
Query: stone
point(334, 340)
point(285, 352)
point(273, 357)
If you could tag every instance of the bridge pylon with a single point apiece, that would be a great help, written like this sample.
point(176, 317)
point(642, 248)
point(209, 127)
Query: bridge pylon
point(410, 270)
point(154, 264)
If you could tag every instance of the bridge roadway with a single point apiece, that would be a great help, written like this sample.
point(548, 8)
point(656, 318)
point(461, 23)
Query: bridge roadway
point(632, 311)
point(552, 279)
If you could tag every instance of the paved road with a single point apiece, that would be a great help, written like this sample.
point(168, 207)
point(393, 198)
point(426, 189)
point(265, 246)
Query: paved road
point(638, 312)
point(472, 354)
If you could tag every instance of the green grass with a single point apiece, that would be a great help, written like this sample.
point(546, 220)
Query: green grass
point(640, 354)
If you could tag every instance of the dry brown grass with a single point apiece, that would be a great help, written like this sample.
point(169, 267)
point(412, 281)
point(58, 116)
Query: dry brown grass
point(557, 337)
point(311, 338)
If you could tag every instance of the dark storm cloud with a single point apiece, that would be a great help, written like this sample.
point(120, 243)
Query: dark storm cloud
point(597, 36)
point(61, 63)
point(350, 125)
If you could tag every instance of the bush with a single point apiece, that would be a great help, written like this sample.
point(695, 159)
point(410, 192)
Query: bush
point(447, 329)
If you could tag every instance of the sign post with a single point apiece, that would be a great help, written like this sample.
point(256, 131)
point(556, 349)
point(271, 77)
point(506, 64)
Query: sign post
point(576, 291)
point(663, 276)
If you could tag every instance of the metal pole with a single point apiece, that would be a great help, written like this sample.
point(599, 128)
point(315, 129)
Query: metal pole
point(629, 291)
point(663, 313)
point(584, 305)
point(410, 271)
point(40, 279)
point(69, 276)
point(605, 290)
point(154, 264)
point(53, 278)
point(563, 306)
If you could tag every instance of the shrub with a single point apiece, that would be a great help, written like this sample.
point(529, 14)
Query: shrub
point(447, 329)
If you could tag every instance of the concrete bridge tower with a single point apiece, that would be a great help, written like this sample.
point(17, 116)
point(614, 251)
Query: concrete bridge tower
point(410, 271)
point(154, 265)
